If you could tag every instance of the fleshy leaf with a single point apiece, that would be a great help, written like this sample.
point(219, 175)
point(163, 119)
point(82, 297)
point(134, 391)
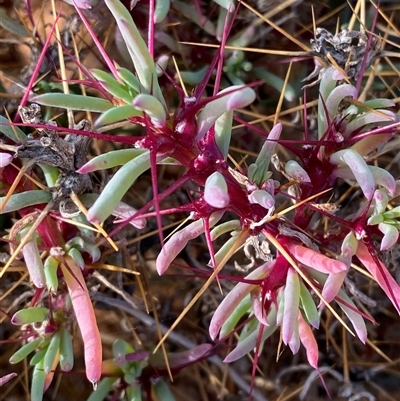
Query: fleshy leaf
point(390, 235)
point(291, 305)
point(316, 260)
point(110, 159)
point(152, 107)
point(233, 97)
point(359, 168)
point(355, 318)
point(25, 199)
point(216, 191)
point(14, 133)
point(381, 275)
point(74, 102)
point(249, 343)
point(309, 306)
point(235, 296)
point(309, 342)
point(141, 58)
point(117, 187)
point(179, 240)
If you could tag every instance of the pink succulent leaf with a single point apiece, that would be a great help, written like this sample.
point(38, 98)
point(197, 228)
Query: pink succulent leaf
point(316, 260)
point(33, 261)
point(268, 148)
point(123, 211)
point(179, 240)
point(390, 235)
point(177, 243)
point(294, 343)
point(152, 107)
point(6, 378)
point(355, 317)
point(369, 143)
point(381, 201)
point(335, 280)
point(249, 343)
point(5, 159)
point(336, 97)
point(263, 198)
point(216, 191)
point(381, 275)
point(349, 247)
point(380, 176)
point(351, 310)
point(369, 118)
point(309, 342)
point(86, 319)
point(383, 178)
point(236, 97)
point(332, 286)
point(296, 172)
point(258, 306)
point(235, 296)
point(291, 297)
point(358, 167)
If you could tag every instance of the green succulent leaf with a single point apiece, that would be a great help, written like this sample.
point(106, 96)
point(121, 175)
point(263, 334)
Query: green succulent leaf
point(38, 382)
point(74, 102)
point(10, 25)
point(39, 356)
point(50, 272)
point(25, 199)
point(117, 187)
point(102, 390)
point(12, 132)
point(66, 350)
point(111, 159)
point(130, 79)
point(162, 391)
point(309, 306)
point(51, 352)
point(141, 58)
point(117, 114)
point(112, 86)
point(25, 350)
point(35, 314)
